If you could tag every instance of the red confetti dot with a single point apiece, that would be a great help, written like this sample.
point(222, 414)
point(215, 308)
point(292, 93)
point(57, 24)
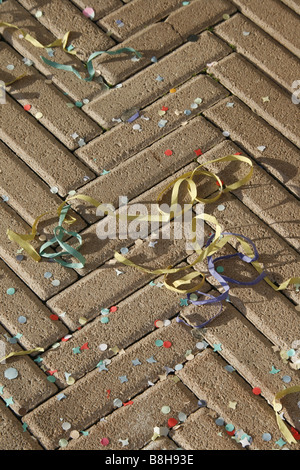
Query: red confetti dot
point(218, 184)
point(238, 153)
point(51, 372)
point(113, 309)
point(230, 433)
point(164, 108)
point(54, 317)
point(104, 441)
point(128, 403)
point(168, 152)
point(27, 107)
point(198, 152)
point(172, 422)
point(256, 391)
point(84, 346)
point(167, 344)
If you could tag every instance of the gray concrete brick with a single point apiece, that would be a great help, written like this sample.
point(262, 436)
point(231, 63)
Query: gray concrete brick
point(30, 387)
point(135, 16)
point(245, 348)
point(207, 377)
point(153, 82)
point(259, 139)
point(97, 402)
point(200, 432)
point(268, 15)
point(12, 12)
point(100, 7)
point(123, 141)
point(198, 15)
point(28, 195)
point(261, 49)
point(61, 16)
point(38, 330)
point(136, 423)
point(260, 93)
point(40, 150)
point(41, 96)
point(154, 41)
point(294, 4)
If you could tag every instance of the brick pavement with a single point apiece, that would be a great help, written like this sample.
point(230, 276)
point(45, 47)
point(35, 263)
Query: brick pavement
point(215, 78)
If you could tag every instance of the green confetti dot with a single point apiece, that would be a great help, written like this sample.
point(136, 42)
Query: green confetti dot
point(51, 378)
point(220, 269)
point(159, 343)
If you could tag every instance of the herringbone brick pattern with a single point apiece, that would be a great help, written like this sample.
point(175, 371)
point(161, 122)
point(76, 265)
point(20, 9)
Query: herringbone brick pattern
point(215, 78)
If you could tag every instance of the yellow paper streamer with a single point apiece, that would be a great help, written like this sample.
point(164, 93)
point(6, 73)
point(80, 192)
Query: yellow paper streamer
point(21, 353)
point(57, 43)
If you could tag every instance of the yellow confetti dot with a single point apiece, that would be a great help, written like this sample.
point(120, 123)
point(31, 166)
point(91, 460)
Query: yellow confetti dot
point(173, 90)
point(82, 320)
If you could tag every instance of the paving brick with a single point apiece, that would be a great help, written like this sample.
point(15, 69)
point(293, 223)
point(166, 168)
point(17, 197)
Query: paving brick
point(40, 150)
point(245, 348)
point(207, 377)
point(98, 402)
point(105, 286)
point(140, 310)
point(157, 79)
point(268, 15)
point(198, 15)
point(154, 41)
point(41, 96)
point(31, 272)
point(61, 16)
point(261, 49)
point(263, 195)
point(136, 423)
point(10, 426)
point(39, 330)
point(259, 92)
point(29, 195)
point(30, 387)
point(152, 164)
point(251, 133)
point(100, 7)
point(294, 4)
point(135, 16)
point(200, 432)
point(271, 313)
point(122, 142)
point(12, 12)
